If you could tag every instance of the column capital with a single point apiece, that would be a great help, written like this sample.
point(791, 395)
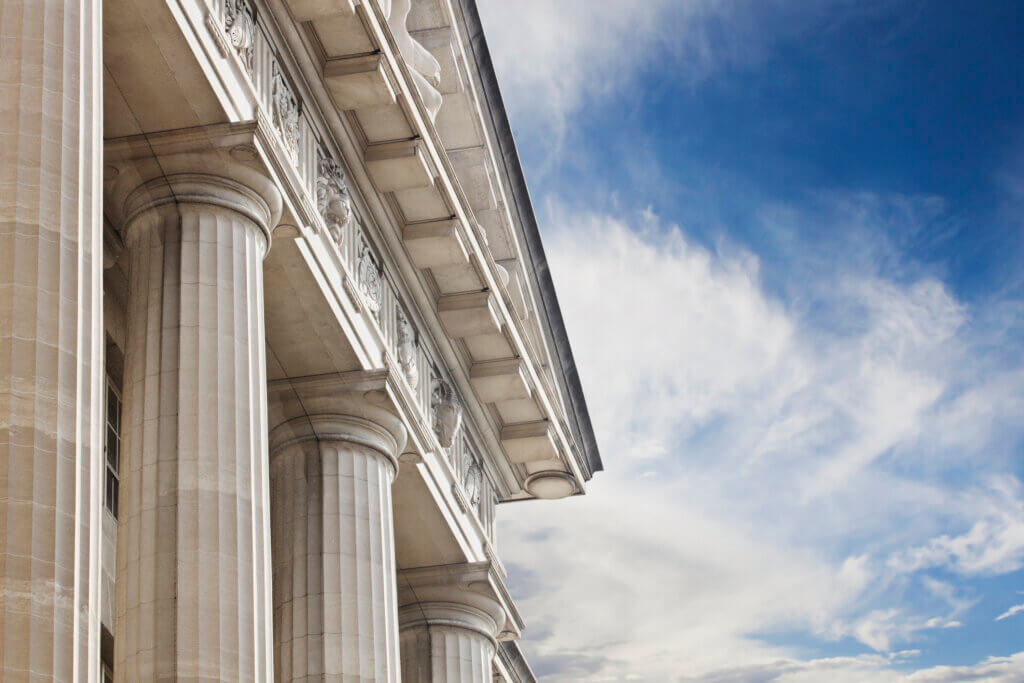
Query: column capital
point(218, 165)
point(168, 193)
point(352, 407)
point(468, 596)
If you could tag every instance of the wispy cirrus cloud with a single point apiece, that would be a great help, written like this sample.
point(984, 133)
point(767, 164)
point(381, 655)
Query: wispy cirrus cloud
point(1012, 612)
point(551, 56)
point(810, 434)
point(554, 58)
point(766, 472)
point(994, 543)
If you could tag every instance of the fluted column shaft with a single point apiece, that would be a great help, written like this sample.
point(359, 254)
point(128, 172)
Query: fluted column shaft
point(447, 642)
point(193, 572)
point(335, 599)
point(450, 618)
point(51, 338)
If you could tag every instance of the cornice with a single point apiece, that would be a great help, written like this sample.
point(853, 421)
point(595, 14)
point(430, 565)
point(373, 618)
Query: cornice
point(555, 326)
point(527, 219)
point(299, 56)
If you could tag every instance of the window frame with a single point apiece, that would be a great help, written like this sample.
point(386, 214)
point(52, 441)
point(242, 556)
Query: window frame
point(111, 471)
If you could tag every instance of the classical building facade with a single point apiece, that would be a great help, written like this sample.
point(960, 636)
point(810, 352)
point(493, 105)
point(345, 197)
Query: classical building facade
point(277, 335)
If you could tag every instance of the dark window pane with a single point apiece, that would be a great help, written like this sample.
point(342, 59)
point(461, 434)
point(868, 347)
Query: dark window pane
point(111, 405)
point(107, 493)
point(111, 447)
point(111, 493)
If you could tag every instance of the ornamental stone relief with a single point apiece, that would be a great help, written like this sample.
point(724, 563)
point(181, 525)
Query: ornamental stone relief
point(368, 276)
point(285, 112)
point(332, 197)
point(240, 25)
point(447, 412)
point(407, 349)
point(472, 480)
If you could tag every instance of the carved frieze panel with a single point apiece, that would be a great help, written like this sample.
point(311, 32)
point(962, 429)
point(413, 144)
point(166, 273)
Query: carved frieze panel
point(447, 410)
point(285, 112)
point(240, 25)
point(472, 480)
point(407, 348)
point(368, 275)
point(332, 197)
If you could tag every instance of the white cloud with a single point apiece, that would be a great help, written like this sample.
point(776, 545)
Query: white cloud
point(992, 670)
point(764, 473)
point(994, 543)
point(779, 459)
point(1012, 612)
point(874, 668)
point(551, 55)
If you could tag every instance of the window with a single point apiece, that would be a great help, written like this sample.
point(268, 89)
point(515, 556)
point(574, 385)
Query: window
point(112, 448)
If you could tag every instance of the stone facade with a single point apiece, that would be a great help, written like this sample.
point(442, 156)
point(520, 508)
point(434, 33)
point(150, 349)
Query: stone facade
point(276, 339)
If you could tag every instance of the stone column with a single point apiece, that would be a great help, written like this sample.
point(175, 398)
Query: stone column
point(193, 570)
point(449, 620)
point(335, 603)
point(51, 338)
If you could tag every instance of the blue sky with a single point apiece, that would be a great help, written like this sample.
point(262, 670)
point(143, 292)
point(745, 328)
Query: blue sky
point(786, 238)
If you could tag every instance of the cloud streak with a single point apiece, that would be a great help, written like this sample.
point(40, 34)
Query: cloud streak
point(809, 449)
point(765, 472)
point(1012, 612)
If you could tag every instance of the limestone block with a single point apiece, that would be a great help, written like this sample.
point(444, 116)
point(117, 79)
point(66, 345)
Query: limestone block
point(434, 244)
point(469, 315)
point(423, 204)
point(306, 10)
point(500, 380)
point(398, 165)
point(529, 441)
point(472, 168)
point(489, 347)
point(343, 34)
point(458, 122)
point(359, 82)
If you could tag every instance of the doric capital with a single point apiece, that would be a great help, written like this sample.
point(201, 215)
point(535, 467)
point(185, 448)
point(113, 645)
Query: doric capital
point(467, 596)
point(167, 194)
point(345, 407)
point(217, 166)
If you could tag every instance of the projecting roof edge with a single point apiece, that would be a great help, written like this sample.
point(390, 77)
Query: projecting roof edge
point(513, 658)
point(555, 328)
